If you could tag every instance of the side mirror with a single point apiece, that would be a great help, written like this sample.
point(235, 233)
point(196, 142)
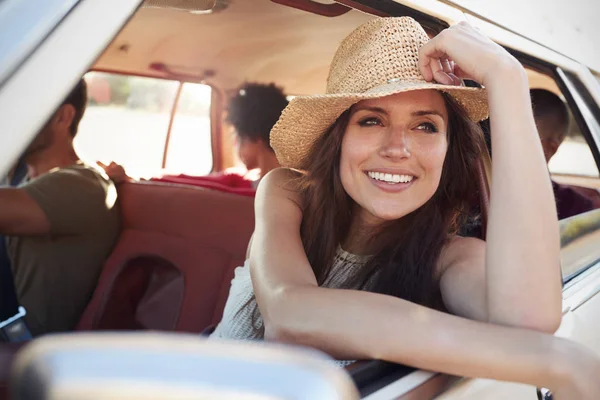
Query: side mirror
point(172, 366)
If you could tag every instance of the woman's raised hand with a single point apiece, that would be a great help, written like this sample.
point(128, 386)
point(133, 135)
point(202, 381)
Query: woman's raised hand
point(462, 52)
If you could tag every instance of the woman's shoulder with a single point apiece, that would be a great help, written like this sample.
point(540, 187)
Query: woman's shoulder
point(282, 175)
point(281, 182)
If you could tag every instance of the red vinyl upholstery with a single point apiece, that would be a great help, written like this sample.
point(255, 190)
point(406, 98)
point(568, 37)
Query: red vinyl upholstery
point(173, 263)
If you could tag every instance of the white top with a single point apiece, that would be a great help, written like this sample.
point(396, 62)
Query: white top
point(237, 321)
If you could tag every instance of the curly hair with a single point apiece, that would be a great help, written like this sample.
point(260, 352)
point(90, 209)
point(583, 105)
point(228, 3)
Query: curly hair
point(255, 109)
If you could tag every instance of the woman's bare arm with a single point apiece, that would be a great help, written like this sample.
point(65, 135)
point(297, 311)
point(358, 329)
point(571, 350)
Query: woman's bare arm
point(520, 266)
point(523, 242)
point(352, 324)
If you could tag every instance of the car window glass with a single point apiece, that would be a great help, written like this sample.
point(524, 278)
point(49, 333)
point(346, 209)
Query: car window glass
point(126, 121)
point(189, 146)
point(574, 156)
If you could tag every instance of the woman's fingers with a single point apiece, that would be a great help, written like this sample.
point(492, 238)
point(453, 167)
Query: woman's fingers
point(440, 71)
point(446, 67)
point(456, 49)
point(429, 59)
point(435, 65)
point(456, 81)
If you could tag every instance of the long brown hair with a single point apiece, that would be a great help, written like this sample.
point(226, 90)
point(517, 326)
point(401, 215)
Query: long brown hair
point(408, 248)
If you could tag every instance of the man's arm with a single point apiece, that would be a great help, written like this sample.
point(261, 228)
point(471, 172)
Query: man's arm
point(20, 215)
point(64, 202)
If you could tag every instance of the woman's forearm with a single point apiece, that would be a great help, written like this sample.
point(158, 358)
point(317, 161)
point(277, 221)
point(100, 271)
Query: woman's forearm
point(373, 326)
point(523, 244)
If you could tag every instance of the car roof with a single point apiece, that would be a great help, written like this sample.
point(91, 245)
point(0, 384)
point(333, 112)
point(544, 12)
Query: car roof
point(255, 40)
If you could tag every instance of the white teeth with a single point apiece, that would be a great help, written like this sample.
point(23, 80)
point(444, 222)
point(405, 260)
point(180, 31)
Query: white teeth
point(390, 178)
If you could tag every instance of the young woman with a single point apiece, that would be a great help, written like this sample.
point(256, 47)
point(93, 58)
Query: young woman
point(356, 253)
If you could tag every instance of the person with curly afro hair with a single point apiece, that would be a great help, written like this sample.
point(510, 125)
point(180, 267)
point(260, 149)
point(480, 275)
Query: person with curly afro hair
point(253, 111)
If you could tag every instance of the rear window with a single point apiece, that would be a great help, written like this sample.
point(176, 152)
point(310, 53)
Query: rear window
point(149, 126)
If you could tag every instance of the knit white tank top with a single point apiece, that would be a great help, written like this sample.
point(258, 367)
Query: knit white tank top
point(238, 319)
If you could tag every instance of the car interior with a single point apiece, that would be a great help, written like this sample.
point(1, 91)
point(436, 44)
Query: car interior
point(157, 101)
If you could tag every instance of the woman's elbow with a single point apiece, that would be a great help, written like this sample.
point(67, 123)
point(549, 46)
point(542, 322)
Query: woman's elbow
point(545, 316)
point(545, 322)
point(279, 332)
point(280, 321)
point(548, 323)
point(285, 330)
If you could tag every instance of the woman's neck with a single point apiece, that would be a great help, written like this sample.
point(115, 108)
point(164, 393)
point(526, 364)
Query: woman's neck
point(362, 230)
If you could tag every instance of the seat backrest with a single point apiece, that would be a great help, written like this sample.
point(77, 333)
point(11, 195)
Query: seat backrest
point(173, 263)
point(147, 293)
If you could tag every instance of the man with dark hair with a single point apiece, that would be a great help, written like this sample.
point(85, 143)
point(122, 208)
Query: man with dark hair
point(60, 224)
point(253, 112)
point(551, 118)
point(552, 121)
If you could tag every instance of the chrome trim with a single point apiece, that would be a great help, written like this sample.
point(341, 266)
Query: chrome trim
point(591, 82)
point(582, 291)
point(579, 236)
point(587, 114)
point(577, 279)
point(580, 258)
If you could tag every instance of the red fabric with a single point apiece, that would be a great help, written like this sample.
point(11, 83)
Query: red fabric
point(571, 200)
point(230, 183)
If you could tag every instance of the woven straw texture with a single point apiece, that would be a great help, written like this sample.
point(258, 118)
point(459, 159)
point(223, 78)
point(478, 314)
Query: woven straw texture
point(378, 59)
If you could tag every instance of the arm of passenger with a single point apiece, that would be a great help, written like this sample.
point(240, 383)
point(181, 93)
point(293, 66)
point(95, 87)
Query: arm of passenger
point(351, 324)
point(61, 202)
point(20, 214)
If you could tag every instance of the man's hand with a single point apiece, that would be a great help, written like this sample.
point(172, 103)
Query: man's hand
point(115, 172)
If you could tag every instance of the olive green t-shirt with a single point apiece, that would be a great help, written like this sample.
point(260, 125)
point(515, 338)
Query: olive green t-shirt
point(55, 274)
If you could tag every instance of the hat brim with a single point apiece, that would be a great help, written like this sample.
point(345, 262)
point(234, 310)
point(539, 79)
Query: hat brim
point(306, 118)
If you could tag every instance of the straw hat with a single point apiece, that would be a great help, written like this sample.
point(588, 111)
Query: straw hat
point(378, 59)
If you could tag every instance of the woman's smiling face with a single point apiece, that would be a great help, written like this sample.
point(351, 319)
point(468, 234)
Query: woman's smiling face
point(393, 152)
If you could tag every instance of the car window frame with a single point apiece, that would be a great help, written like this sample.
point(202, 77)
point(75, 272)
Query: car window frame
point(587, 119)
point(578, 228)
point(585, 110)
